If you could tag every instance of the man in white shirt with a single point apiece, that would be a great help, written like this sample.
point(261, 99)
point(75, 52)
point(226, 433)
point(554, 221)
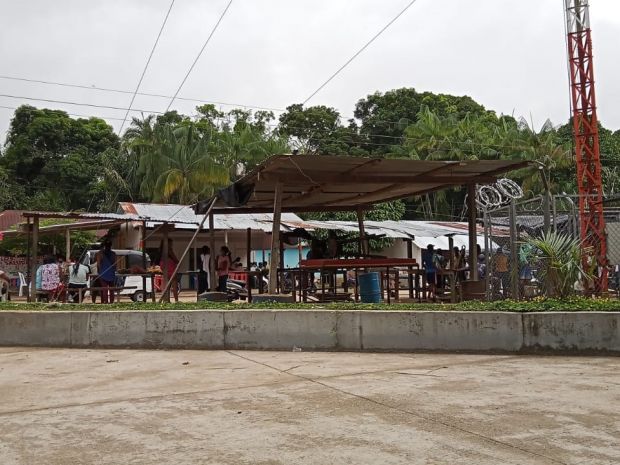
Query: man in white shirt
point(204, 276)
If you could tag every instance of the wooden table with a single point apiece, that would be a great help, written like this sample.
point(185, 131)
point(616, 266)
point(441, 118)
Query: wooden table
point(336, 265)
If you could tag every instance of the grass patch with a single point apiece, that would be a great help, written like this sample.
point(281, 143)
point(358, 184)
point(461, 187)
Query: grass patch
point(539, 305)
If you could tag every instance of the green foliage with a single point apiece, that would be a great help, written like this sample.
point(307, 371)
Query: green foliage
point(559, 263)
point(540, 305)
point(18, 246)
point(55, 159)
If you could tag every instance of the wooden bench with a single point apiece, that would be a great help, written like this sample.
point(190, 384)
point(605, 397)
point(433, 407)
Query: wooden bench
point(116, 289)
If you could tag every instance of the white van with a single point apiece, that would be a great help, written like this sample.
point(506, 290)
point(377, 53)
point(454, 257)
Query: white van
point(126, 259)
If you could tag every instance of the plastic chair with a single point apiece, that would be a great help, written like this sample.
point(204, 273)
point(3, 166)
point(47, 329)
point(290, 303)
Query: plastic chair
point(22, 283)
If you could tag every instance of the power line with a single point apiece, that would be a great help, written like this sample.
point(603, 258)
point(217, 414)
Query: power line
point(142, 94)
point(73, 114)
point(66, 102)
point(148, 61)
point(199, 54)
point(360, 51)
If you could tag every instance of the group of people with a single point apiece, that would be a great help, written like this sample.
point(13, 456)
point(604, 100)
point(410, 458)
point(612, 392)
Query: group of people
point(224, 264)
point(57, 277)
point(435, 261)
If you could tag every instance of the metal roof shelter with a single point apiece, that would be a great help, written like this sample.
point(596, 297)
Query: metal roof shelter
point(316, 183)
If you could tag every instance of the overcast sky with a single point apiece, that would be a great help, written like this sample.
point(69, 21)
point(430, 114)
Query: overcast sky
point(509, 56)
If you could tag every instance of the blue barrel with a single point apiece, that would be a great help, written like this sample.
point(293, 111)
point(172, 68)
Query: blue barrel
point(370, 289)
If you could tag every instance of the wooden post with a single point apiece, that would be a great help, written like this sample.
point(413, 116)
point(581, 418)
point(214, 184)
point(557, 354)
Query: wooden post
point(248, 258)
point(275, 239)
point(33, 263)
point(360, 221)
point(166, 293)
point(212, 254)
point(514, 252)
point(143, 247)
point(163, 263)
point(67, 244)
point(471, 226)
point(410, 268)
point(28, 258)
point(453, 269)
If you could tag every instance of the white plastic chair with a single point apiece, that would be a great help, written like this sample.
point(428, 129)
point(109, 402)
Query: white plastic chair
point(22, 283)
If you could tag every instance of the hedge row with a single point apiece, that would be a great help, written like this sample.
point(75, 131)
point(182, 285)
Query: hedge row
point(538, 305)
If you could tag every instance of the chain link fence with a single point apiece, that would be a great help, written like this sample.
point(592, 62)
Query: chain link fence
point(505, 264)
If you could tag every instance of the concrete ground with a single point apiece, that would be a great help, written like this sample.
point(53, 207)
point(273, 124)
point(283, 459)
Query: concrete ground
point(65, 407)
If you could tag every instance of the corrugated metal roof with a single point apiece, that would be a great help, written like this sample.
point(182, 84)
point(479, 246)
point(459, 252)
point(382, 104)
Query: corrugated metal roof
point(185, 218)
point(406, 229)
point(83, 215)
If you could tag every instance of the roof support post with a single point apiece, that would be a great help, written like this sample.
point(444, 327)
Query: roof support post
point(471, 227)
point(248, 260)
point(143, 249)
point(163, 263)
point(212, 254)
point(67, 245)
point(274, 260)
point(33, 258)
point(363, 244)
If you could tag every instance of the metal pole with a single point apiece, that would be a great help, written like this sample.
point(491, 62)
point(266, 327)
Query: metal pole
point(275, 239)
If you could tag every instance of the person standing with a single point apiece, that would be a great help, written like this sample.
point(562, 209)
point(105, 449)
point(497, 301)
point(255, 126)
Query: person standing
point(500, 267)
point(429, 261)
point(204, 277)
point(223, 267)
point(171, 262)
point(106, 267)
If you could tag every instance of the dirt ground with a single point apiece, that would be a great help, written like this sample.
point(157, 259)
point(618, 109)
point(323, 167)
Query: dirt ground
point(65, 407)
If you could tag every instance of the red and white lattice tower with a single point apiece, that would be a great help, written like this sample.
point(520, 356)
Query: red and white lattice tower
point(585, 130)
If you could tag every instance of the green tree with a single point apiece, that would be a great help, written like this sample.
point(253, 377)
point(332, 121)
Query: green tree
point(189, 171)
point(385, 116)
point(317, 130)
point(55, 158)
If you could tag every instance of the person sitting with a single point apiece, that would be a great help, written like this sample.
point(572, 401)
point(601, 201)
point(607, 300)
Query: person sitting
point(51, 277)
point(4, 283)
point(78, 279)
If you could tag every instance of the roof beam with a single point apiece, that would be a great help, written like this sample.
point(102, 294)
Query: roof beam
point(456, 180)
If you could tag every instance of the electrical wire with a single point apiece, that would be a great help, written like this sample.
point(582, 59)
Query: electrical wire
point(142, 94)
point(66, 102)
point(356, 54)
point(199, 54)
point(74, 114)
point(146, 66)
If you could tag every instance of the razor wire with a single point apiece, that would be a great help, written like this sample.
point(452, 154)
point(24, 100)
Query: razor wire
point(493, 196)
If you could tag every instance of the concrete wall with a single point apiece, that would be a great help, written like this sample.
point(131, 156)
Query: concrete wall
point(317, 330)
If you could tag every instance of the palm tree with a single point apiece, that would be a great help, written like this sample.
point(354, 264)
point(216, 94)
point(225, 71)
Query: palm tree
point(188, 170)
point(245, 147)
